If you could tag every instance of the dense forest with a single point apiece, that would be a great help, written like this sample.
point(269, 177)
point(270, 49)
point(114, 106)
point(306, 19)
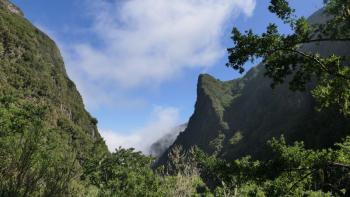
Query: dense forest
point(50, 145)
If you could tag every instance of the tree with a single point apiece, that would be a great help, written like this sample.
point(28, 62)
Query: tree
point(293, 171)
point(33, 161)
point(125, 173)
point(283, 55)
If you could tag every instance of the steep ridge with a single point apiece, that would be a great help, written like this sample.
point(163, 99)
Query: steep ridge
point(236, 118)
point(32, 70)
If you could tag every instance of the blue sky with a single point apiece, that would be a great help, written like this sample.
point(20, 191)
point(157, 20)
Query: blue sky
point(136, 62)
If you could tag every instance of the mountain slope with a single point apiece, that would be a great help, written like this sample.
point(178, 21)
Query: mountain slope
point(163, 143)
point(32, 70)
point(235, 118)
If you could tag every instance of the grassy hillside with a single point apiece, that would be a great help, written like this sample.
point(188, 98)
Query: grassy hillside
point(33, 76)
point(33, 69)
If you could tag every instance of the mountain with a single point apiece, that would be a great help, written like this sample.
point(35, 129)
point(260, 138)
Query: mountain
point(235, 118)
point(32, 71)
point(162, 144)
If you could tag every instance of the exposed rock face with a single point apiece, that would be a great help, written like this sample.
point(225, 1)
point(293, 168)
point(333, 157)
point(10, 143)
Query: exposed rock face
point(31, 68)
point(236, 118)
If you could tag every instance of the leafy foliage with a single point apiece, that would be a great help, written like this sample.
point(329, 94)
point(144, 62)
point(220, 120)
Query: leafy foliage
point(33, 69)
point(46, 135)
point(125, 173)
point(34, 161)
point(283, 55)
point(129, 173)
point(294, 171)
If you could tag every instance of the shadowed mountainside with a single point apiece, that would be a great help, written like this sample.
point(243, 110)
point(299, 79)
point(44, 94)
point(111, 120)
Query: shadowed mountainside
point(236, 118)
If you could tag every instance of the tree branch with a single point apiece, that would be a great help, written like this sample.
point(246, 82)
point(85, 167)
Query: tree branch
point(340, 165)
point(323, 66)
point(302, 178)
point(327, 40)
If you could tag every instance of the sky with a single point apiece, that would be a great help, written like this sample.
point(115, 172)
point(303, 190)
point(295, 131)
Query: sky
point(136, 62)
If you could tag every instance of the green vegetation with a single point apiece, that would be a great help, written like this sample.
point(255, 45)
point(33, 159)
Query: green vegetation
point(32, 69)
point(236, 138)
point(293, 171)
point(219, 92)
point(36, 160)
point(46, 136)
point(125, 173)
point(259, 112)
point(50, 146)
point(129, 173)
point(283, 55)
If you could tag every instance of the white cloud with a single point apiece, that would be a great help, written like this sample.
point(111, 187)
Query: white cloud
point(163, 120)
point(142, 43)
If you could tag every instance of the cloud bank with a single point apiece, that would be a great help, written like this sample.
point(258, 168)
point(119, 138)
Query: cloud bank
point(163, 120)
point(142, 43)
